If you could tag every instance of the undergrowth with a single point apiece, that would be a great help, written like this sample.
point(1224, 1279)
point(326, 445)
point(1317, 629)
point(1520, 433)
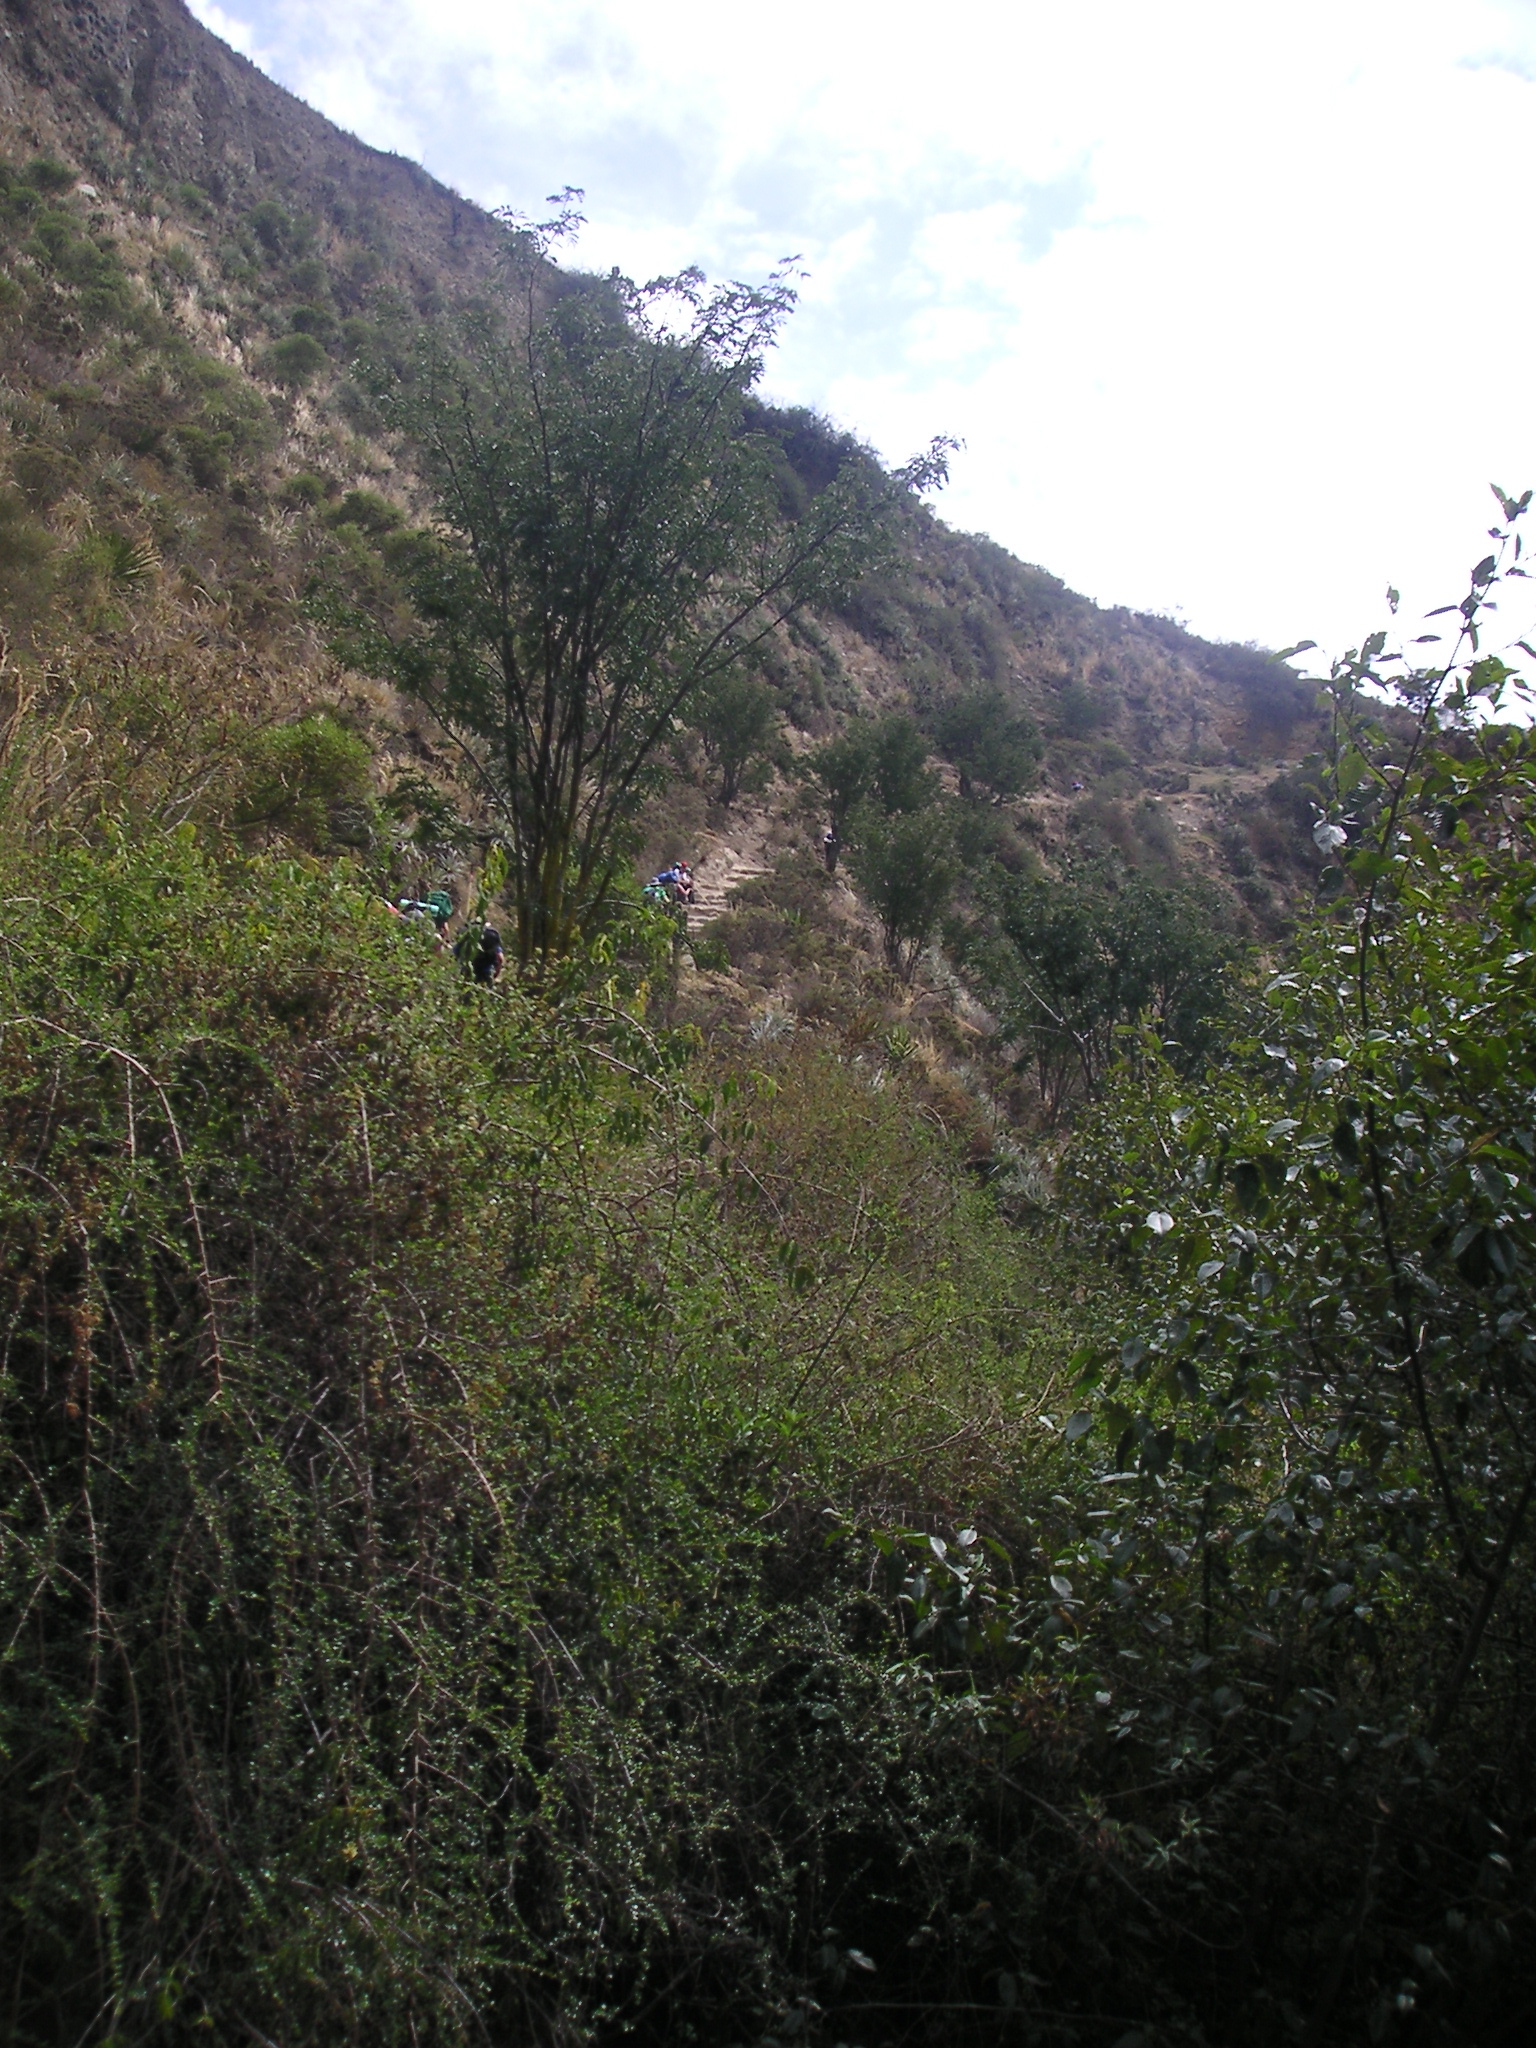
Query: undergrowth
point(426, 1413)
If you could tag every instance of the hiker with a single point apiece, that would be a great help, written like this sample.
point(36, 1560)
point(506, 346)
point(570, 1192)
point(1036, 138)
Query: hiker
point(436, 908)
point(440, 910)
point(489, 958)
point(673, 885)
point(831, 847)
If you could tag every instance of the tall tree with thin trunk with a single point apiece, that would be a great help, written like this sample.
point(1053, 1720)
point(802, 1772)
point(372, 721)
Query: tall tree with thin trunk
point(608, 541)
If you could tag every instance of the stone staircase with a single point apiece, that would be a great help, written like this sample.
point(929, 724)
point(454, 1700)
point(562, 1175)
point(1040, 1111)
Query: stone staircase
point(715, 874)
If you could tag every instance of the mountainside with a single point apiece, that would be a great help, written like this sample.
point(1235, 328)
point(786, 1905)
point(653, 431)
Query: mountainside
point(926, 1440)
point(137, 94)
point(191, 281)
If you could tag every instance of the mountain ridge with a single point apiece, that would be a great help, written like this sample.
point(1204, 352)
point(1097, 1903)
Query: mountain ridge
point(95, 75)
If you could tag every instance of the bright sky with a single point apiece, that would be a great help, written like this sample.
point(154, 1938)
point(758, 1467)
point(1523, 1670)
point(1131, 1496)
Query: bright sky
point(1231, 305)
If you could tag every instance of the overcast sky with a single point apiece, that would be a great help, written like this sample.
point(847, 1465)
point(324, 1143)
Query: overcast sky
point(1231, 305)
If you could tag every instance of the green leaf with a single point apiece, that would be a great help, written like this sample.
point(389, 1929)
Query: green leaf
point(1346, 1142)
point(1368, 865)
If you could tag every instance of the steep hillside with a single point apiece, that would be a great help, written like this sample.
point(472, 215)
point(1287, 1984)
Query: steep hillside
point(142, 99)
point(942, 1457)
point(195, 259)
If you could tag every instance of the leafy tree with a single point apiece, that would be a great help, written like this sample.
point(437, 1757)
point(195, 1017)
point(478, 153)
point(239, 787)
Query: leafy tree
point(885, 760)
point(989, 740)
point(904, 862)
point(841, 769)
point(309, 780)
point(900, 779)
point(1329, 1406)
point(1070, 963)
point(737, 720)
point(612, 543)
point(1083, 710)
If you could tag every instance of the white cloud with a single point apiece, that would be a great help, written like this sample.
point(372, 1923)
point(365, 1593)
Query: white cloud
point(236, 33)
point(1226, 302)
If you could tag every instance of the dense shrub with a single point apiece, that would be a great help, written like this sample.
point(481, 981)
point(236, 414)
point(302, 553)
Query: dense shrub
point(423, 1615)
point(310, 781)
point(295, 360)
point(1323, 1415)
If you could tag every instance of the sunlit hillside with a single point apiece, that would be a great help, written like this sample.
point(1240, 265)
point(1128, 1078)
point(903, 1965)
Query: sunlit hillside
point(757, 1283)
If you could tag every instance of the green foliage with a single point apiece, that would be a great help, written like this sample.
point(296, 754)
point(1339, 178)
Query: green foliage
point(226, 418)
point(736, 716)
point(295, 360)
point(514, 1525)
point(989, 740)
point(318, 321)
point(778, 923)
point(809, 452)
point(616, 546)
point(1071, 964)
point(841, 768)
point(368, 511)
point(25, 551)
point(1326, 1410)
point(881, 793)
point(206, 456)
point(178, 260)
point(106, 566)
point(87, 267)
point(1274, 696)
point(884, 760)
point(310, 781)
point(711, 953)
point(1084, 711)
point(47, 174)
point(437, 822)
point(280, 235)
point(98, 747)
point(123, 562)
point(399, 1539)
point(307, 487)
point(904, 864)
point(899, 778)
